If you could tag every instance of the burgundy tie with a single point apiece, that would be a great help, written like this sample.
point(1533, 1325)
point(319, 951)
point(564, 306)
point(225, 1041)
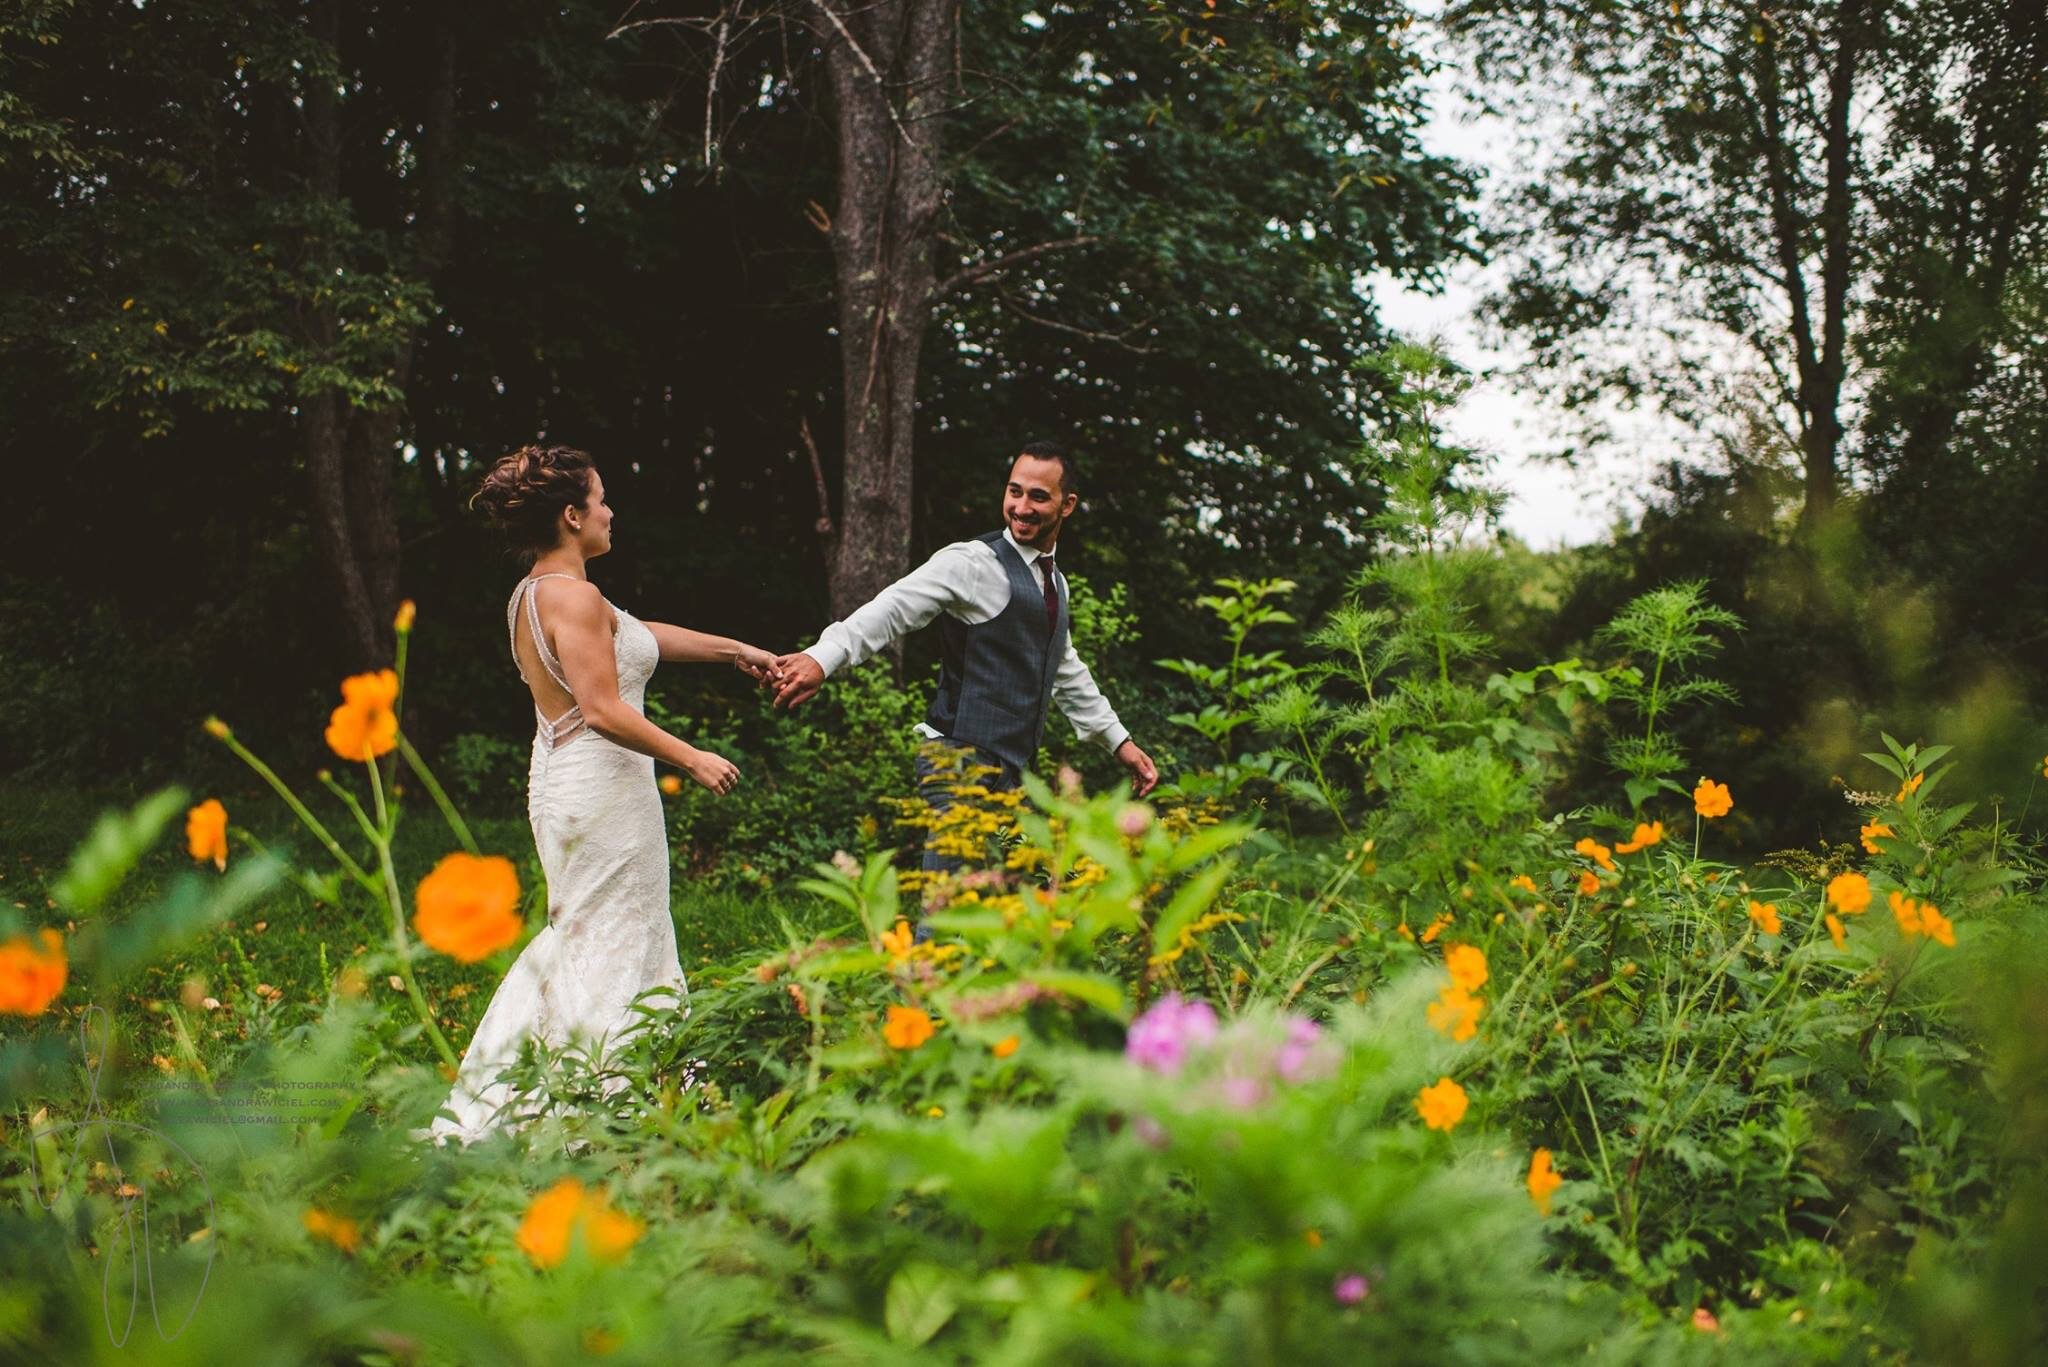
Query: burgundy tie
point(1052, 595)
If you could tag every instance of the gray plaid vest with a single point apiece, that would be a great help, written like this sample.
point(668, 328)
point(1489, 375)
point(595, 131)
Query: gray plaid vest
point(995, 678)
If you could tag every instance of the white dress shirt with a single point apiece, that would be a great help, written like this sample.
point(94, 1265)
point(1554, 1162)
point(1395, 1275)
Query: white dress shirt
point(967, 581)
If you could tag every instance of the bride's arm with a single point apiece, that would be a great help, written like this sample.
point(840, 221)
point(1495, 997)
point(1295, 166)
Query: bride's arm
point(682, 645)
point(583, 640)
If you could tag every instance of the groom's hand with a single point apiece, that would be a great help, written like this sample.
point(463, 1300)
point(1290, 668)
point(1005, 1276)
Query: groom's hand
point(798, 677)
point(1144, 773)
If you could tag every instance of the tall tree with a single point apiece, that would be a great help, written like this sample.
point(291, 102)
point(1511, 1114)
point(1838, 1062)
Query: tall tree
point(1779, 175)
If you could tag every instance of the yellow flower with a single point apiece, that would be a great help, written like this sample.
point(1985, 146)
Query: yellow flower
point(468, 906)
point(1849, 893)
point(206, 832)
point(908, 1028)
point(364, 726)
point(1441, 1104)
point(671, 784)
point(898, 941)
point(1589, 883)
point(1910, 787)
point(1644, 836)
point(1596, 852)
point(565, 1208)
point(1711, 799)
point(2044, 766)
point(1522, 881)
point(1765, 914)
point(1467, 965)
point(32, 973)
point(1436, 928)
point(402, 623)
point(1835, 933)
point(1005, 1046)
point(339, 1230)
point(1543, 1180)
point(1456, 1013)
point(936, 1112)
point(1872, 833)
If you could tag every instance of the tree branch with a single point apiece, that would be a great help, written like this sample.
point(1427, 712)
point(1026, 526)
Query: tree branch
point(960, 279)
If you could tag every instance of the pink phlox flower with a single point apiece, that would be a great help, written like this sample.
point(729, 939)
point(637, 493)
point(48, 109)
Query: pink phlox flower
point(1351, 1288)
point(1160, 1038)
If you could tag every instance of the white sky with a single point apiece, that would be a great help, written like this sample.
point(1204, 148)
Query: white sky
point(1549, 503)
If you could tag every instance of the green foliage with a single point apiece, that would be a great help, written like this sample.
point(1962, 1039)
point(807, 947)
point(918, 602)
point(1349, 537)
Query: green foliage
point(1667, 629)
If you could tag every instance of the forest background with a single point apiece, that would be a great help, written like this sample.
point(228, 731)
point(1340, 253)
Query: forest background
point(281, 280)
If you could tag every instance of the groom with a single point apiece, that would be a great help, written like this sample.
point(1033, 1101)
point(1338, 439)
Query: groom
point(1003, 636)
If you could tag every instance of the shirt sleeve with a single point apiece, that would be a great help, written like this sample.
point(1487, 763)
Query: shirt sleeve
point(1073, 688)
point(951, 581)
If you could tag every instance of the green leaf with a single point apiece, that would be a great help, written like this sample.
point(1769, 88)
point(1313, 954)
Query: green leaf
point(920, 1300)
point(1886, 763)
point(1189, 903)
point(1092, 988)
point(108, 855)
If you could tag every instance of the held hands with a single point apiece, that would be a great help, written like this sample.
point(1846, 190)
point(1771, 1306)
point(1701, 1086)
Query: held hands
point(756, 663)
point(1144, 774)
point(795, 679)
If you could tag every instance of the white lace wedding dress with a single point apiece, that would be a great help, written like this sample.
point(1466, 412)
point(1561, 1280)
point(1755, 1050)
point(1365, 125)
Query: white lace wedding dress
point(597, 822)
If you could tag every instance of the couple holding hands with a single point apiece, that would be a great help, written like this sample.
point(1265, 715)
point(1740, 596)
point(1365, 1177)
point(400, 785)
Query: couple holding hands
point(592, 799)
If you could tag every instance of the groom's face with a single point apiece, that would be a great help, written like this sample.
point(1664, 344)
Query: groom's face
point(1035, 503)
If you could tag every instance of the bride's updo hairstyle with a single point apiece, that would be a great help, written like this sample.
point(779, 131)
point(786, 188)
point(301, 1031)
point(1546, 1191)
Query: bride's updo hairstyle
point(525, 493)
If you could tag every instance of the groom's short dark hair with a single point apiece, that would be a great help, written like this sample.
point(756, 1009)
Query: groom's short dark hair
point(1070, 473)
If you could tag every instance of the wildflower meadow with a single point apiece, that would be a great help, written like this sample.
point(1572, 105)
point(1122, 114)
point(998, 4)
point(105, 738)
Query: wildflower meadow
point(1383, 1032)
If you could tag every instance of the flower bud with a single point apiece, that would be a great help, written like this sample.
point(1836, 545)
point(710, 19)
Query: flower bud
point(217, 728)
point(403, 621)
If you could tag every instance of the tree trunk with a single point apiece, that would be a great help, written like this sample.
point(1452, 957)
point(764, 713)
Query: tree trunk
point(888, 61)
point(351, 452)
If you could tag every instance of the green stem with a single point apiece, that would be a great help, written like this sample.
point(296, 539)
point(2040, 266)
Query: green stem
point(419, 767)
point(291, 800)
point(399, 939)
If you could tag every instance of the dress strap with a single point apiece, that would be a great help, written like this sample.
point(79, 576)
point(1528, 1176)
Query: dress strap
point(540, 641)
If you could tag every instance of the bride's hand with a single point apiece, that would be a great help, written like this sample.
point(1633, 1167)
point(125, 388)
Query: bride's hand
point(756, 663)
point(714, 772)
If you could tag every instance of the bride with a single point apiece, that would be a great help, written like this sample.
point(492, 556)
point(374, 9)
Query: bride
point(591, 794)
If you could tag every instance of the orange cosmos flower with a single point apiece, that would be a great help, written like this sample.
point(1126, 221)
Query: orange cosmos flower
point(32, 973)
point(1589, 883)
point(1522, 881)
point(339, 1230)
point(1436, 928)
point(1644, 836)
point(1765, 914)
point(671, 784)
point(563, 1209)
point(1467, 964)
point(1004, 1047)
point(1936, 926)
point(468, 906)
point(1849, 893)
point(206, 832)
point(1872, 833)
point(908, 1028)
point(1596, 852)
point(1910, 787)
point(1711, 799)
point(898, 941)
point(364, 726)
point(1543, 1180)
point(1441, 1104)
point(1456, 1013)
point(1835, 932)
